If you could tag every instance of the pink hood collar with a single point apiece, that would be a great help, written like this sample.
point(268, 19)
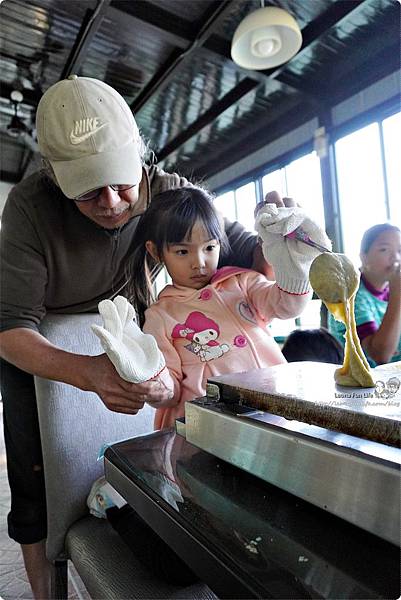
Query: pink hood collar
point(184, 292)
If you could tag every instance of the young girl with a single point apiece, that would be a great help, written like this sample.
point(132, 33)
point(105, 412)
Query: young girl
point(210, 320)
point(378, 300)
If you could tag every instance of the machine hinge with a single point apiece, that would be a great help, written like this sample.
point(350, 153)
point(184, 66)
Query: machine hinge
point(213, 392)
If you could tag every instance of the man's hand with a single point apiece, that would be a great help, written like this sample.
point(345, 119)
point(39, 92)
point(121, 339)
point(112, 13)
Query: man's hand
point(291, 259)
point(119, 395)
point(260, 264)
point(274, 198)
point(30, 351)
point(134, 354)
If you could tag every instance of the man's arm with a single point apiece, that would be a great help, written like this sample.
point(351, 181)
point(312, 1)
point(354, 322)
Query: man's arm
point(30, 351)
point(261, 265)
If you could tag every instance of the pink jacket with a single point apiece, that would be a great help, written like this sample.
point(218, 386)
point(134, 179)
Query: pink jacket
point(219, 329)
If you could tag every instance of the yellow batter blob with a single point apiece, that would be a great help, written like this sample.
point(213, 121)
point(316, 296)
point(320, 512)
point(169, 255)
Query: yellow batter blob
point(335, 280)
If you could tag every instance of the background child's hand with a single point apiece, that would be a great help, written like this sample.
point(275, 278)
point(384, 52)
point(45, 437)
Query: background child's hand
point(394, 279)
point(134, 354)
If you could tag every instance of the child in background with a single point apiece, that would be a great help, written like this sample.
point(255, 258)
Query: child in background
point(378, 300)
point(313, 344)
point(210, 321)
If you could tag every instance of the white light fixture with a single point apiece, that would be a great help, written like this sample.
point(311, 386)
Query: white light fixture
point(16, 127)
point(266, 38)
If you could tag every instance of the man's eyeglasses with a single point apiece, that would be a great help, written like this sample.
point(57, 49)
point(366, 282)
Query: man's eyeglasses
point(95, 193)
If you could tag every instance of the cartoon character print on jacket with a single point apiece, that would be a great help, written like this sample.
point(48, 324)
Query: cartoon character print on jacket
point(202, 333)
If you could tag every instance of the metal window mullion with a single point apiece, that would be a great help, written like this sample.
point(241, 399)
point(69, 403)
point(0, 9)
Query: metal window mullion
point(236, 205)
point(259, 189)
point(384, 170)
point(336, 207)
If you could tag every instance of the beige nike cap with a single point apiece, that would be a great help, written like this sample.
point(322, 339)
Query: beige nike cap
point(88, 133)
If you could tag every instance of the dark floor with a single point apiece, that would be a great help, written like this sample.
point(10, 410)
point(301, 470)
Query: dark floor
point(13, 581)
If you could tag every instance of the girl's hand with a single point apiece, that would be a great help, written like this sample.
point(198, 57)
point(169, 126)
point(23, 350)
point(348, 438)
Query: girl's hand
point(394, 280)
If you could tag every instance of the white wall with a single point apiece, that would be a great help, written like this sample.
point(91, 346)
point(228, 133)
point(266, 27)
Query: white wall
point(4, 190)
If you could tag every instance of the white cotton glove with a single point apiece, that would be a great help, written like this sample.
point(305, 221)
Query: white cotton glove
point(134, 354)
point(101, 497)
point(290, 258)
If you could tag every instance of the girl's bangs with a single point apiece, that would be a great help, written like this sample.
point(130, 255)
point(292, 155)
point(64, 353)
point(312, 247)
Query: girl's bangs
point(180, 222)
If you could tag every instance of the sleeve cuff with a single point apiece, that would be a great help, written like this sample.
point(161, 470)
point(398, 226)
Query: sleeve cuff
point(292, 285)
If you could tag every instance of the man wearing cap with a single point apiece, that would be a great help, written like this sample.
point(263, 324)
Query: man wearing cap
point(66, 234)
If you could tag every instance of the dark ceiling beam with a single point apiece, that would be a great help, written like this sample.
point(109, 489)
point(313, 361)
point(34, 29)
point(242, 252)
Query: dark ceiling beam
point(310, 34)
point(211, 19)
point(374, 69)
point(258, 136)
point(87, 32)
point(316, 28)
point(334, 14)
point(210, 115)
point(31, 97)
point(178, 31)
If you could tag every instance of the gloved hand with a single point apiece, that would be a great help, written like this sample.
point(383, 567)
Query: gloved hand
point(290, 258)
point(134, 354)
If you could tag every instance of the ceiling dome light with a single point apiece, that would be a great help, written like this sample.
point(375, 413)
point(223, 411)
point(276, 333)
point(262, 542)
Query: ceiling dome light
point(266, 38)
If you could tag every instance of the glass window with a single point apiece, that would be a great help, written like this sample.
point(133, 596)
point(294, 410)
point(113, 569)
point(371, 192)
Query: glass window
point(245, 198)
point(310, 317)
point(302, 181)
point(161, 281)
point(275, 181)
point(392, 137)
point(304, 184)
point(226, 205)
point(280, 328)
point(360, 185)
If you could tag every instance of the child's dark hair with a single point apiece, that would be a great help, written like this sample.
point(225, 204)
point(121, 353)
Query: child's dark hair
point(168, 220)
point(373, 233)
point(313, 344)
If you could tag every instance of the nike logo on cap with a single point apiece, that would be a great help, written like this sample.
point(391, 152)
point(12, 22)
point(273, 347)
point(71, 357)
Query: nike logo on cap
point(84, 129)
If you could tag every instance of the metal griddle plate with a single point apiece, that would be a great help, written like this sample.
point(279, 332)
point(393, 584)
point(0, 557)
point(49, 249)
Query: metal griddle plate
point(351, 477)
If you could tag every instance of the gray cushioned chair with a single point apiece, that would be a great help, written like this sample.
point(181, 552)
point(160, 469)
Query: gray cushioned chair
point(74, 426)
